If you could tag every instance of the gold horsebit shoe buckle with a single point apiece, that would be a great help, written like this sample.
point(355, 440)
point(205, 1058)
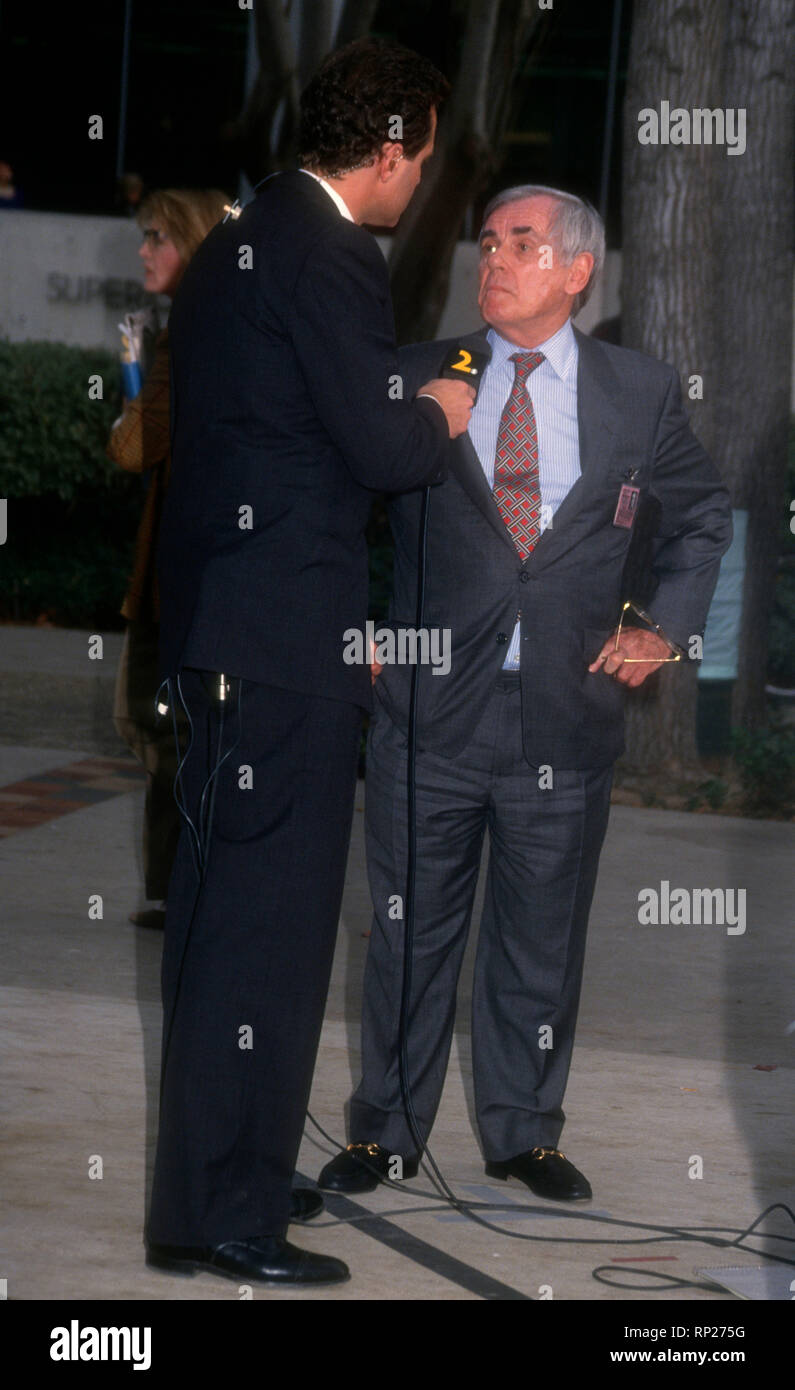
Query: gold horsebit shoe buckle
point(374, 1149)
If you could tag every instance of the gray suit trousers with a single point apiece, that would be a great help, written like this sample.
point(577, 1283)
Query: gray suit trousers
point(545, 842)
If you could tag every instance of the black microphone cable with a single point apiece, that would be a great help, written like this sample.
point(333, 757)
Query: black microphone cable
point(235, 210)
point(452, 363)
point(411, 871)
point(201, 835)
point(444, 1189)
point(699, 1235)
point(211, 784)
point(177, 790)
point(423, 1149)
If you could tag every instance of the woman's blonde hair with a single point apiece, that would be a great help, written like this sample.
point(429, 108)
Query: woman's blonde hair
point(187, 214)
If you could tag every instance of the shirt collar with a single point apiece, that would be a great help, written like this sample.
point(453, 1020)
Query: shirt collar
point(560, 350)
point(332, 193)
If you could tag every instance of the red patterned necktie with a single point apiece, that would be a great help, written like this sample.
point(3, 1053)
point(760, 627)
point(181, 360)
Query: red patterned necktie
point(516, 487)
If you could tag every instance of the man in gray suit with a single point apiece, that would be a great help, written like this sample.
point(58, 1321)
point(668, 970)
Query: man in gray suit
point(526, 550)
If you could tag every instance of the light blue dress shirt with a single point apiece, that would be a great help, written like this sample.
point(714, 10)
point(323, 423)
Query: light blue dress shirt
point(552, 388)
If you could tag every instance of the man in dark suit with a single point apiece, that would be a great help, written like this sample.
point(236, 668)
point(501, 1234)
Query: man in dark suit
point(284, 421)
point(526, 549)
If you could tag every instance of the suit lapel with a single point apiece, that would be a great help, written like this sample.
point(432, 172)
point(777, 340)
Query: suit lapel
point(467, 468)
point(599, 423)
point(597, 405)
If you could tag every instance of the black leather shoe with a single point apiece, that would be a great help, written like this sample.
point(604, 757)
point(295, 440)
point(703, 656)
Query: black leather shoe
point(547, 1172)
point(305, 1202)
point(264, 1259)
point(360, 1168)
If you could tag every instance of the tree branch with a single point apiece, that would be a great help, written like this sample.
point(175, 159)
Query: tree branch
point(355, 20)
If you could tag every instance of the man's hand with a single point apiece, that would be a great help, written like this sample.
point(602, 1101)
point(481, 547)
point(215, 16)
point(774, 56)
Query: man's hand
point(638, 643)
point(456, 399)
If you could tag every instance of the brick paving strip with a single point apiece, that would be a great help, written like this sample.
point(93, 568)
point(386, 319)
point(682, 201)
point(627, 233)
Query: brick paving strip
point(36, 800)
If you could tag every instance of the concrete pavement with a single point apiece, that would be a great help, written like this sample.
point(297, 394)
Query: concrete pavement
point(680, 1102)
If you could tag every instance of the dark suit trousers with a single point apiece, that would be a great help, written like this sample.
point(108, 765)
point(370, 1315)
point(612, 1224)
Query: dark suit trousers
point(247, 957)
point(544, 852)
point(152, 742)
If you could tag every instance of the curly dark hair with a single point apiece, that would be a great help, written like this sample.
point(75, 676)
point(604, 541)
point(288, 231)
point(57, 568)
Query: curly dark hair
point(347, 106)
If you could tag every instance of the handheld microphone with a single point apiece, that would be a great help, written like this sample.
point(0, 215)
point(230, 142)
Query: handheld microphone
point(460, 364)
point(466, 364)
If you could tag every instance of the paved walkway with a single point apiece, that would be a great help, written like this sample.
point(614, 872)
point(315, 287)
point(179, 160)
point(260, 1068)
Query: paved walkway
point(680, 1102)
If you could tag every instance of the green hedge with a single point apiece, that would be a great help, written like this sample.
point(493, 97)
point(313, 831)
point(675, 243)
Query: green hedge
point(52, 437)
point(765, 761)
point(72, 514)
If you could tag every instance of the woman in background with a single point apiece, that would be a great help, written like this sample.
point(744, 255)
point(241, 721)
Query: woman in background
point(174, 222)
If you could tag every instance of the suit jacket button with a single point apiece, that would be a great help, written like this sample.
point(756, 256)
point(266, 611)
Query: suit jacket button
point(524, 576)
point(502, 637)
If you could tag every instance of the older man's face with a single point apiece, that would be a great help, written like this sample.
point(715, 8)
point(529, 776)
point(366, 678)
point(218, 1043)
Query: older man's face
point(520, 293)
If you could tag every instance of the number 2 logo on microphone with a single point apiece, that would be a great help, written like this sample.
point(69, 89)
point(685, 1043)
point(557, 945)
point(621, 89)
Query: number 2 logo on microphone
point(460, 362)
point(464, 363)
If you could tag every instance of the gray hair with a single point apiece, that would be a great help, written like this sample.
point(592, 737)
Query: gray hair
point(576, 224)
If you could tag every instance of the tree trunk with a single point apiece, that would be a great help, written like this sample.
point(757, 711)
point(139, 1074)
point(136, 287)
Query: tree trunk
point(316, 37)
point(355, 20)
point(669, 280)
point(277, 83)
point(754, 312)
point(494, 43)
